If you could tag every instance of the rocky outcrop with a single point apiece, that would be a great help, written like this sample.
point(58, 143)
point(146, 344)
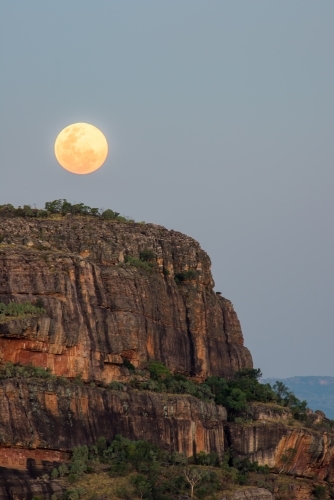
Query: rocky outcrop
point(41, 421)
point(106, 305)
point(18, 485)
point(101, 309)
point(252, 494)
point(297, 451)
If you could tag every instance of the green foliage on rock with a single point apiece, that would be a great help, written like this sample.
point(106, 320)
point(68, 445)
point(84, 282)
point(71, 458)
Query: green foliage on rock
point(158, 370)
point(141, 263)
point(234, 394)
point(14, 310)
point(288, 399)
point(60, 207)
point(320, 492)
point(10, 370)
point(189, 275)
point(147, 255)
point(116, 386)
point(109, 214)
point(162, 380)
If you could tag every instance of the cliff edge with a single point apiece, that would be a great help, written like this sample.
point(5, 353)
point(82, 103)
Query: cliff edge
point(105, 302)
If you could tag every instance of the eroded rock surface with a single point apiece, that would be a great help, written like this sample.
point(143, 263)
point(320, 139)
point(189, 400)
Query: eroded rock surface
point(253, 494)
point(41, 421)
point(101, 310)
point(292, 450)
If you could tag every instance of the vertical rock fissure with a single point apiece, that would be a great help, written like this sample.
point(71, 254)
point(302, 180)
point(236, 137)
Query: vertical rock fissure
point(191, 344)
point(83, 306)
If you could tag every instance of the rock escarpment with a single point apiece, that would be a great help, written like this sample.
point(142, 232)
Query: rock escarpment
point(105, 306)
point(101, 310)
point(287, 449)
point(42, 420)
point(110, 297)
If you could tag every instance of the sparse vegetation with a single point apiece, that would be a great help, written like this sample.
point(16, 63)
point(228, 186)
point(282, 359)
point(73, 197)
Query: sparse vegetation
point(15, 310)
point(125, 469)
point(147, 255)
point(10, 370)
point(162, 380)
point(60, 207)
point(320, 492)
point(153, 473)
point(189, 275)
point(145, 261)
point(127, 363)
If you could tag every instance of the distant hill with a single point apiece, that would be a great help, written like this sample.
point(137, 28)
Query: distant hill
point(317, 391)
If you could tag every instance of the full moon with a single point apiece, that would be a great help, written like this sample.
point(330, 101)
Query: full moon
point(81, 148)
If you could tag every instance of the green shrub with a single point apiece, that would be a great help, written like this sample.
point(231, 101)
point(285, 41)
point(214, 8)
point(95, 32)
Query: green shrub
point(243, 388)
point(189, 275)
point(63, 470)
point(54, 473)
point(115, 386)
point(9, 370)
point(158, 370)
point(134, 261)
point(288, 399)
point(14, 309)
point(124, 493)
point(147, 255)
point(320, 492)
point(79, 459)
point(101, 445)
point(203, 458)
point(241, 479)
point(127, 363)
point(74, 493)
point(142, 486)
point(119, 469)
point(78, 380)
point(39, 304)
point(109, 214)
point(60, 207)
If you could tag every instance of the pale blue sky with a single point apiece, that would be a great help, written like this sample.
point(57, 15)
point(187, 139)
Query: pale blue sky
point(219, 116)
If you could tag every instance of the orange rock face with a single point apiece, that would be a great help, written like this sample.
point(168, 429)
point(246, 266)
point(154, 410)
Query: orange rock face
point(289, 450)
point(19, 458)
point(101, 310)
point(104, 305)
point(43, 420)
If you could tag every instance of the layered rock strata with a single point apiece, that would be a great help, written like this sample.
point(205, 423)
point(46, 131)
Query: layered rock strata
point(101, 310)
point(293, 450)
point(41, 421)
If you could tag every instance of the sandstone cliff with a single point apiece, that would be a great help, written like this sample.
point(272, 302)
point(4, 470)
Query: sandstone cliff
point(287, 447)
point(105, 307)
point(101, 310)
point(41, 421)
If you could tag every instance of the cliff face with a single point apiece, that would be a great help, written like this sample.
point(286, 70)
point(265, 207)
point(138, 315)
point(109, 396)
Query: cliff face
point(101, 310)
point(269, 440)
point(42, 420)
point(106, 305)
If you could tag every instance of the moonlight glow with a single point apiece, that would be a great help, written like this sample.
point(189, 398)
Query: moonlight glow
point(81, 148)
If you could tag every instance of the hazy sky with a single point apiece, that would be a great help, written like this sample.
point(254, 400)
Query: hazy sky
point(220, 120)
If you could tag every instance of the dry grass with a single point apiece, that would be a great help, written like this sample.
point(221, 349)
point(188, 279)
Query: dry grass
point(99, 484)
